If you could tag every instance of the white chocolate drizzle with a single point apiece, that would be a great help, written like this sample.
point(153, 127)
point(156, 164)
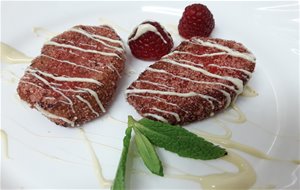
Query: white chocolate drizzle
point(191, 80)
point(88, 104)
point(249, 92)
point(11, 55)
point(226, 94)
point(54, 89)
point(108, 65)
point(158, 117)
point(31, 83)
point(237, 82)
point(96, 164)
point(190, 62)
point(4, 141)
point(53, 116)
point(143, 28)
point(95, 95)
point(228, 97)
point(249, 74)
point(247, 56)
point(49, 98)
point(106, 38)
point(193, 54)
point(168, 112)
point(64, 78)
point(158, 99)
point(243, 179)
point(71, 63)
point(171, 93)
point(98, 38)
point(52, 43)
point(155, 84)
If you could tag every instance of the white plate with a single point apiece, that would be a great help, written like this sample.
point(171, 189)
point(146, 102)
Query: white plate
point(43, 155)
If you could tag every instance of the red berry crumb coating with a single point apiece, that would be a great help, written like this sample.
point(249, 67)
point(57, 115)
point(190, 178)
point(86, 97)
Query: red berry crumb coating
point(196, 20)
point(150, 41)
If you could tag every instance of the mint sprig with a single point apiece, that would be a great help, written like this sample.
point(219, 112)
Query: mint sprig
point(179, 140)
point(146, 150)
point(172, 138)
point(119, 182)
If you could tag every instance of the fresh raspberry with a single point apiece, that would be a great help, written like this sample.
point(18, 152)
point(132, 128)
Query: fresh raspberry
point(196, 20)
point(150, 41)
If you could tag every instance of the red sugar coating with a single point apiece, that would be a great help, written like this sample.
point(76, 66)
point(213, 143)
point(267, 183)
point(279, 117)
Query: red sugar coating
point(76, 75)
point(199, 78)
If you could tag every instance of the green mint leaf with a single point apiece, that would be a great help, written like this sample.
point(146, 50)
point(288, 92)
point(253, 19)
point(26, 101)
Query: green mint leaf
point(179, 140)
point(147, 152)
point(119, 182)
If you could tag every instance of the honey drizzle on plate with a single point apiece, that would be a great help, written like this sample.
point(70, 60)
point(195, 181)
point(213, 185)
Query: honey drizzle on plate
point(11, 55)
point(96, 164)
point(4, 141)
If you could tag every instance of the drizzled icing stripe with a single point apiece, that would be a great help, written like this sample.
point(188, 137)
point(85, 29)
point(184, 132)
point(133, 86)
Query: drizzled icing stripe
point(170, 93)
point(71, 63)
point(190, 80)
point(190, 62)
point(226, 94)
point(54, 89)
point(86, 90)
point(158, 117)
point(193, 54)
point(65, 79)
point(157, 99)
point(81, 49)
point(49, 98)
point(88, 104)
point(79, 90)
point(108, 65)
point(31, 83)
point(107, 38)
point(84, 44)
point(53, 116)
point(228, 97)
point(55, 84)
point(96, 38)
point(168, 112)
point(237, 82)
point(143, 28)
point(155, 83)
point(95, 95)
point(249, 74)
point(114, 69)
point(248, 56)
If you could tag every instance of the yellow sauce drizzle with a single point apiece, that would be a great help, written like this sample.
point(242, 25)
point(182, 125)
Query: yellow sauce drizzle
point(228, 132)
point(243, 179)
point(97, 167)
point(234, 115)
point(296, 162)
point(4, 141)
point(225, 140)
point(249, 92)
point(228, 143)
point(11, 55)
point(43, 32)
